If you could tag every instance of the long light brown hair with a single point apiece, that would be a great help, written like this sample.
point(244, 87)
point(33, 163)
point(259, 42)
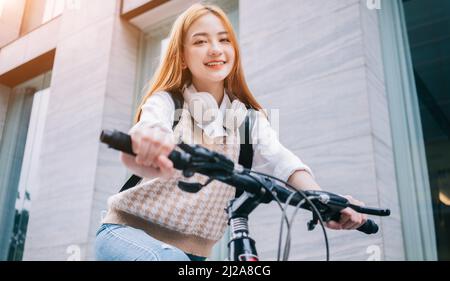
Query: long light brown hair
point(170, 75)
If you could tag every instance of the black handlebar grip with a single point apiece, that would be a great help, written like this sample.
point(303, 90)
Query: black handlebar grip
point(122, 142)
point(369, 227)
point(117, 140)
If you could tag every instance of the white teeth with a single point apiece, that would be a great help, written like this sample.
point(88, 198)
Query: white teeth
point(215, 63)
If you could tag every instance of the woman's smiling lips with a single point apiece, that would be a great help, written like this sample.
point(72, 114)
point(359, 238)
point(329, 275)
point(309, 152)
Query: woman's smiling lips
point(215, 64)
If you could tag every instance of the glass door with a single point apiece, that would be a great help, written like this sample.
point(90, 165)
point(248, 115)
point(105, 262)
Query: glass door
point(428, 27)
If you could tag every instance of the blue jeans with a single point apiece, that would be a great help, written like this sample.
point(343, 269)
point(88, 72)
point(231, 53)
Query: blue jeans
point(116, 242)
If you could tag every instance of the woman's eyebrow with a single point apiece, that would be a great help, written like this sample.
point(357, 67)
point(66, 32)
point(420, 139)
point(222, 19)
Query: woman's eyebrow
point(206, 34)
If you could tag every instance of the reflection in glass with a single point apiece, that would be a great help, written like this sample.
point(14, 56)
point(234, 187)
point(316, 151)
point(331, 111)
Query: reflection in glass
point(428, 25)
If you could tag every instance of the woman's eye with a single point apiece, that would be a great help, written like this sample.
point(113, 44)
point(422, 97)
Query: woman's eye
point(199, 42)
point(224, 40)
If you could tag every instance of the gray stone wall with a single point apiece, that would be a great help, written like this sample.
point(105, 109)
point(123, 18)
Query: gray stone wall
point(319, 64)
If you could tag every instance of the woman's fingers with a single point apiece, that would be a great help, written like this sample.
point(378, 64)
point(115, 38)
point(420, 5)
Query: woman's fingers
point(140, 146)
point(352, 219)
point(153, 151)
point(155, 138)
point(165, 165)
point(349, 219)
point(167, 144)
point(350, 224)
point(161, 146)
point(142, 154)
point(345, 218)
point(333, 225)
point(149, 143)
point(141, 170)
point(357, 219)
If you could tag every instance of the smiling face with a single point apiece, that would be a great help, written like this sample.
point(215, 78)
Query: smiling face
point(208, 52)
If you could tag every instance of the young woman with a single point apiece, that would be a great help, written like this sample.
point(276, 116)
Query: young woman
point(155, 220)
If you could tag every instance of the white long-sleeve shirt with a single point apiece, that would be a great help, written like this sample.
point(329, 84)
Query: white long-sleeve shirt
point(269, 155)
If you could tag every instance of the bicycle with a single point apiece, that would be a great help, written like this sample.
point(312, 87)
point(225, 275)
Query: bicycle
point(256, 188)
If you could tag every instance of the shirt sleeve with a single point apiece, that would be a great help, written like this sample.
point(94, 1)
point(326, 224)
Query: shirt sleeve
point(158, 110)
point(269, 155)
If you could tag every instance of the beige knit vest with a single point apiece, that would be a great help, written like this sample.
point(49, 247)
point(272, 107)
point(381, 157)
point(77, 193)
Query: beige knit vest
point(161, 202)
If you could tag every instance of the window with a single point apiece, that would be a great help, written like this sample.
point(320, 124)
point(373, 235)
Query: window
point(53, 8)
point(2, 4)
point(38, 12)
point(19, 149)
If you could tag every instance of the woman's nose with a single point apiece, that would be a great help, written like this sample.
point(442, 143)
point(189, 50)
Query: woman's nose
point(215, 49)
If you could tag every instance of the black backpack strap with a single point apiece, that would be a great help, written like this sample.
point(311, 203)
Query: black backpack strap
point(132, 181)
point(178, 101)
point(246, 150)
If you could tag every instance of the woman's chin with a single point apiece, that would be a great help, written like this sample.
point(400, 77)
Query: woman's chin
point(216, 77)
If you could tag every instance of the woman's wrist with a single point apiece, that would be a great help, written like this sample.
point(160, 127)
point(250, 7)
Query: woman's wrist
point(302, 179)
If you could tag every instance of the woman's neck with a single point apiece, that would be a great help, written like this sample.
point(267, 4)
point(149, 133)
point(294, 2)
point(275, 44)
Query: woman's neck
point(215, 89)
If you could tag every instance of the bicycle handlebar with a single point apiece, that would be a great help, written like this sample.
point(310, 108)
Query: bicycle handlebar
point(197, 159)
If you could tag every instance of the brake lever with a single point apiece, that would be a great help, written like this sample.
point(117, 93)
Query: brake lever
point(203, 158)
point(329, 206)
point(341, 202)
point(193, 187)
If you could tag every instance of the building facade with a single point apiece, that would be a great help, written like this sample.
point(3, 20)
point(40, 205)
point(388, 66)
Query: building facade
point(361, 87)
